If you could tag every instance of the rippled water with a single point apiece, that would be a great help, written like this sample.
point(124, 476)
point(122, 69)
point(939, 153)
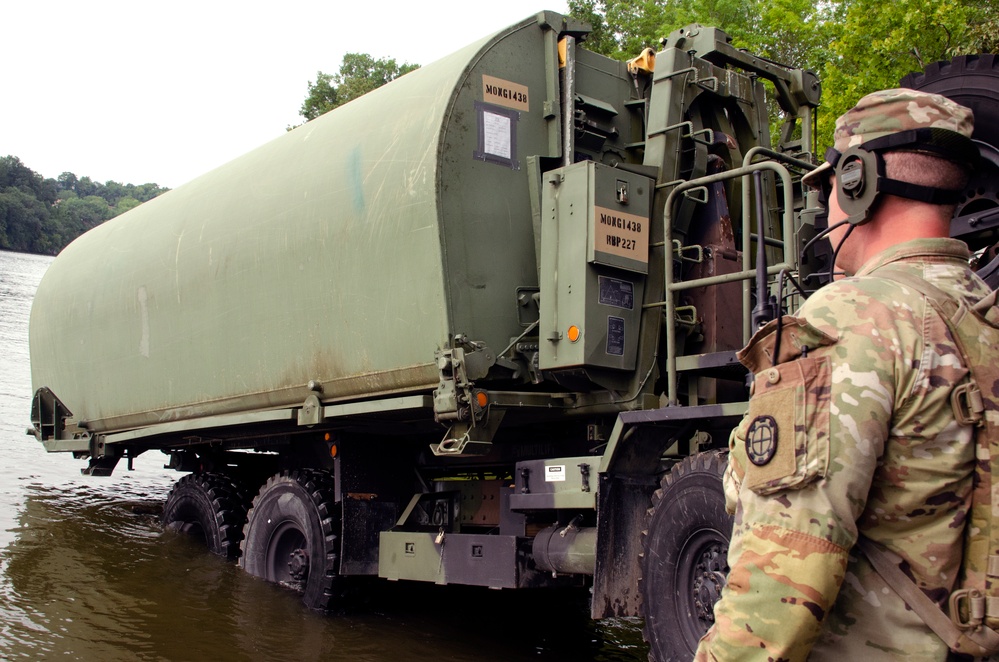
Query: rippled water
point(87, 573)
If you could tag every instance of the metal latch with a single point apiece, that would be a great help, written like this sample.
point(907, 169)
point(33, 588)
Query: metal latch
point(622, 192)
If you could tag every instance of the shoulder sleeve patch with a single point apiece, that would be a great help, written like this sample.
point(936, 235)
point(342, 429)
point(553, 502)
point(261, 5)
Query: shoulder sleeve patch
point(785, 436)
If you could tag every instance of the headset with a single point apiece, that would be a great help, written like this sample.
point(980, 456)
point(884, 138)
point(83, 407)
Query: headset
point(860, 180)
point(860, 170)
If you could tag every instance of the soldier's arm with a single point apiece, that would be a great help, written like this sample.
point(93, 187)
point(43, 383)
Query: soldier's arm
point(803, 461)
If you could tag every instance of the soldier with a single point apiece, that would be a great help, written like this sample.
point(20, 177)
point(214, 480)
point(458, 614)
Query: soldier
point(851, 430)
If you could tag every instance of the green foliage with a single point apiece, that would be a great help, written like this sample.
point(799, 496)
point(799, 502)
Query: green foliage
point(790, 31)
point(855, 46)
point(879, 43)
point(601, 39)
point(39, 215)
point(359, 74)
point(322, 97)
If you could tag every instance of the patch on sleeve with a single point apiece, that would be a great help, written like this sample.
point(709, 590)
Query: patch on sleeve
point(786, 433)
point(761, 440)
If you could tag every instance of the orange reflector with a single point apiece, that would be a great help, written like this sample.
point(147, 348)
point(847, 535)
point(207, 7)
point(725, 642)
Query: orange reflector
point(573, 333)
point(333, 450)
point(482, 398)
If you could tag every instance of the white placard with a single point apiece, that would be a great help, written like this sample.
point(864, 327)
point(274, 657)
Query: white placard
point(555, 473)
point(496, 135)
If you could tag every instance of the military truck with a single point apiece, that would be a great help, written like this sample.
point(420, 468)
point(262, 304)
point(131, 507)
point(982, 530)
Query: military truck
point(476, 327)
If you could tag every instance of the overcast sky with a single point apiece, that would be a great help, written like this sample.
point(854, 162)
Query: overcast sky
point(139, 92)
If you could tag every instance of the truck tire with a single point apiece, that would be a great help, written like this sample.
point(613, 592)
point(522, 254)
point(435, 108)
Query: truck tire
point(209, 506)
point(970, 80)
point(684, 559)
point(973, 81)
point(291, 535)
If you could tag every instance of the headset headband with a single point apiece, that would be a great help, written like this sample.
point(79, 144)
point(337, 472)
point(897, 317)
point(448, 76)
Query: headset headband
point(860, 170)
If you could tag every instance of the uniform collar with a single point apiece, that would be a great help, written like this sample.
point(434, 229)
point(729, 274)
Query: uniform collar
point(937, 248)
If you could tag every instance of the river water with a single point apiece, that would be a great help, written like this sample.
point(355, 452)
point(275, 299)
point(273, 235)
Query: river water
point(87, 573)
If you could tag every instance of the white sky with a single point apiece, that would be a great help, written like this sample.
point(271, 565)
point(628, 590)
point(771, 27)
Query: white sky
point(139, 91)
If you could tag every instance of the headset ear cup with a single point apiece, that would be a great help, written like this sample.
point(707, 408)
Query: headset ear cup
point(858, 175)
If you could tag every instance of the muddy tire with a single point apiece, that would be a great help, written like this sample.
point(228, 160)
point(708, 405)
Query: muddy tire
point(684, 558)
point(973, 81)
point(291, 536)
point(211, 507)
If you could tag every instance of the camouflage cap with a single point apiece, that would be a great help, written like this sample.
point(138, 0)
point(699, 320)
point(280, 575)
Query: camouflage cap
point(893, 111)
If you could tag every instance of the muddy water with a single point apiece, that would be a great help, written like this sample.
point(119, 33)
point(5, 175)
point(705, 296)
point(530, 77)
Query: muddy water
point(87, 573)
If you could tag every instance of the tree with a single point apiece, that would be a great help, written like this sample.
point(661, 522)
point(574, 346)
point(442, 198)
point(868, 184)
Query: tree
point(77, 215)
point(112, 191)
point(855, 46)
point(145, 192)
point(24, 220)
point(322, 97)
point(67, 181)
point(85, 186)
point(359, 74)
point(124, 204)
point(790, 31)
point(879, 43)
point(15, 173)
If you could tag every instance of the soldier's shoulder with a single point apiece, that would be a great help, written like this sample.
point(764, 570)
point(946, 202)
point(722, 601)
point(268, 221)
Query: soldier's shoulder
point(859, 299)
point(850, 288)
point(857, 290)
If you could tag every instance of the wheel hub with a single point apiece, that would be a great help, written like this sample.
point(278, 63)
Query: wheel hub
point(709, 580)
point(298, 564)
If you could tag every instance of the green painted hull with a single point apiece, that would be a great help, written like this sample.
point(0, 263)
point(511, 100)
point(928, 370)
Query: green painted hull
point(345, 253)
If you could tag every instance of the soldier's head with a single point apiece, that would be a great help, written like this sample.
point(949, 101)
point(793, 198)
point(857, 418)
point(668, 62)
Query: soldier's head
point(900, 142)
point(909, 147)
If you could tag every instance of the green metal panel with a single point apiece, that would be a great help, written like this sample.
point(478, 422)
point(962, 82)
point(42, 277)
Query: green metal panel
point(595, 241)
point(410, 555)
point(344, 252)
point(561, 482)
point(452, 558)
point(488, 233)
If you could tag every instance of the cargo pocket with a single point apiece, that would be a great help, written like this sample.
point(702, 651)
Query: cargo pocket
point(786, 440)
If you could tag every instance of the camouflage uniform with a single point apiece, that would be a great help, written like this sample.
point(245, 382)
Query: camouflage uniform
point(850, 432)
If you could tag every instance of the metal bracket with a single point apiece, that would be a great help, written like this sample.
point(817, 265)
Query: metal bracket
point(311, 412)
point(462, 445)
point(103, 457)
point(680, 249)
point(455, 399)
point(469, 439)
point(686, 316)
point(690, 133)
point(699, 194)
point(101, 466)
point(49, 416)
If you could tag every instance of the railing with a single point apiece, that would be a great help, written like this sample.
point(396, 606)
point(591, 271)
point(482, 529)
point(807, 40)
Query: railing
point(789, 261)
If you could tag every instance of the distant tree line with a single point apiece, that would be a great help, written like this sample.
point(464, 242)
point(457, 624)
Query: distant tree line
point(42, 215)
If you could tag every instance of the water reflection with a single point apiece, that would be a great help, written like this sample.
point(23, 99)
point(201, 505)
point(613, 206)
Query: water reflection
point(91, 577)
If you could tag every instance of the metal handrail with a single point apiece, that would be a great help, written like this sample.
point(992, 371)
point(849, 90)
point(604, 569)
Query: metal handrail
point(670, 287)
